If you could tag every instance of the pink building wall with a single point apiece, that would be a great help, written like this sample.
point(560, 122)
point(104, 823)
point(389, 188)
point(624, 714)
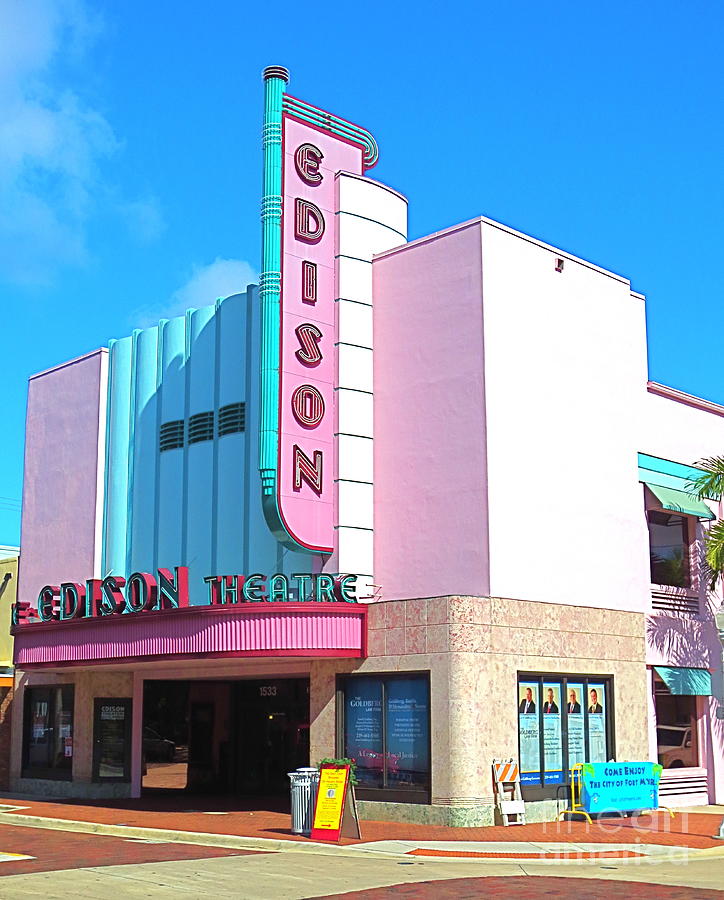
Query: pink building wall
point(684, 429)
point(431, 521)
point(62, 486)
point(505, 459)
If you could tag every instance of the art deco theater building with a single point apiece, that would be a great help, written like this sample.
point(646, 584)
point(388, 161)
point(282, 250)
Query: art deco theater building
point(414, 503)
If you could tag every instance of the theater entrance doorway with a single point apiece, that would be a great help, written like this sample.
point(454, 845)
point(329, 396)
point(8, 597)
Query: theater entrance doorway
point(237, 736)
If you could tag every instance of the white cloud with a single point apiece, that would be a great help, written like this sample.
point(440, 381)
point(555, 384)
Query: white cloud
point(206, 284)
point(144, 219)
point(52, 142)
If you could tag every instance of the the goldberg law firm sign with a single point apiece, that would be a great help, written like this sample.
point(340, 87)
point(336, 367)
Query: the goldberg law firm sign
point(304, 148)
point(143, 592)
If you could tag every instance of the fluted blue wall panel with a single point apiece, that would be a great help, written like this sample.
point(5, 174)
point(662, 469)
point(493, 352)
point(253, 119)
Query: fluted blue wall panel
point(144, 450)
point(169, 488)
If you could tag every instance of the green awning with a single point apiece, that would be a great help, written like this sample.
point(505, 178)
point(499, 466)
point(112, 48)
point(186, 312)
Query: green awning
point(686, 682)
point(680, 501)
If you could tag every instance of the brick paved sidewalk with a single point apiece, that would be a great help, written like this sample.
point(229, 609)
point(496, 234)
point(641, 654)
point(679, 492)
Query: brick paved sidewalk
point(54, 851)
point(515, 888)
point(270, 819)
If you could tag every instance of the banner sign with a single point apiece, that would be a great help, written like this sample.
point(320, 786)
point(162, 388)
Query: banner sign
point(304, 148)
point(620, 787)
point(329, 808)
point(143, 592)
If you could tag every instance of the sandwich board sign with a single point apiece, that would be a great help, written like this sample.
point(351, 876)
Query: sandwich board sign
point(335, 812)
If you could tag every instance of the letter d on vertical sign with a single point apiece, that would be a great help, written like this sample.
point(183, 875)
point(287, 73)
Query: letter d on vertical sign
point(308, 221)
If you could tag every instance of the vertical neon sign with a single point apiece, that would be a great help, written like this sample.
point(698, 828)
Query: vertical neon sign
point(304, 148)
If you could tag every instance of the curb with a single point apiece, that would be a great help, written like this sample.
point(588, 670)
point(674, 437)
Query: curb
point(276, 845)
point(231, 841)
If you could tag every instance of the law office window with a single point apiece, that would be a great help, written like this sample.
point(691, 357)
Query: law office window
point(669, 542)
point(562, 720)
point(48, 732)
point(385, 728)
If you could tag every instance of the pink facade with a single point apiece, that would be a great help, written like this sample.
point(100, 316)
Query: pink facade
point(62, 488)
point(207, 632)
point(431, 517)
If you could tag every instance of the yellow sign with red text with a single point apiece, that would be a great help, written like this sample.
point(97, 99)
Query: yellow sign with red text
point(331, 796)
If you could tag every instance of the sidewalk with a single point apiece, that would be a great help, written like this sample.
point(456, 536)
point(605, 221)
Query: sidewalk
point(220, 821)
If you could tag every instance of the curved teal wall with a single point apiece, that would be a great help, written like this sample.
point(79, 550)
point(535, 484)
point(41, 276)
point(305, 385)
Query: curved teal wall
point(199, 505)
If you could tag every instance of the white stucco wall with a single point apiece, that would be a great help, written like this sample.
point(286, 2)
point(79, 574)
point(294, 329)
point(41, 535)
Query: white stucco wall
point(565, 377)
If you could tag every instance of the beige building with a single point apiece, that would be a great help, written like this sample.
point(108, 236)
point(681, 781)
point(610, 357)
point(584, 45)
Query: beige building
point(8, 591)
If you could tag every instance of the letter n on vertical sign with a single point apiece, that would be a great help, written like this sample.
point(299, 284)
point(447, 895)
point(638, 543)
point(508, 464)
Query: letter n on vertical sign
point(305, 481)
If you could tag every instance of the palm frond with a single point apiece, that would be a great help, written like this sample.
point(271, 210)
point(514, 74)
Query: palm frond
point(710, 483)
point(714, 549)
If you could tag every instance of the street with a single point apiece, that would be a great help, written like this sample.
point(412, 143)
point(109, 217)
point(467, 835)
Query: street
point(100, 867)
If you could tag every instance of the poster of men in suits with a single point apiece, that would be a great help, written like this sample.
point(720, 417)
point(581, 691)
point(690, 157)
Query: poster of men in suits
point(529, 731)
point(552, 746)
point(574, 710)
point(596, 709)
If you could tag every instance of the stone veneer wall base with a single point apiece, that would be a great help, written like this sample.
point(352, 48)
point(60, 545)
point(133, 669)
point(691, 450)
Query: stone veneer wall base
point(426, 814)
point(50, 789)
point(453, 816)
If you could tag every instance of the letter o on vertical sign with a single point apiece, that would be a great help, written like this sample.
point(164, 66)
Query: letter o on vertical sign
point(306, 161)
point(307, 406)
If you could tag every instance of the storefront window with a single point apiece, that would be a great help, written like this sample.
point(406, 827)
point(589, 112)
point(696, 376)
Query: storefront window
point(676, 732)
point(387, 732)
point(669, 549)
point(48, 736)
point(562, 720)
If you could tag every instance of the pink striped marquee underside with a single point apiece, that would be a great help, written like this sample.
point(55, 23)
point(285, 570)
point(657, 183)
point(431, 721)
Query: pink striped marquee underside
point(280, 629)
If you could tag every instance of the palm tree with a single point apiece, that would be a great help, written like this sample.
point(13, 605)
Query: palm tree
point(710, 484)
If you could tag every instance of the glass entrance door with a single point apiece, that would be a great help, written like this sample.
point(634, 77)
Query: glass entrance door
point(272, 733)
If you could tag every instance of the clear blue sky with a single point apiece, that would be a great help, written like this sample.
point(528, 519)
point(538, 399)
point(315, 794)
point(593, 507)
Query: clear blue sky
point(130, 159)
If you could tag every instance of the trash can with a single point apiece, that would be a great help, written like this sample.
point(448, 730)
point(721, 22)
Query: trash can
point(304, 793)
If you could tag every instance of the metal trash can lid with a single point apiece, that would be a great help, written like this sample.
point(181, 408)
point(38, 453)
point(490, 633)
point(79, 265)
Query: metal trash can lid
point(306, 769)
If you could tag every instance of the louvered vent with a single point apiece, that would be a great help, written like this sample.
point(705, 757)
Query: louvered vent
point(171, 435)
point(201, 427)
point(232, 418)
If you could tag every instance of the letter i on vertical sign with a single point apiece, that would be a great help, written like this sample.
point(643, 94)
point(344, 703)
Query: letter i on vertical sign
point(309, 282)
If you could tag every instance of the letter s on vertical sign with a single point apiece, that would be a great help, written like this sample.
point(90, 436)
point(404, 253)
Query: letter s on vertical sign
point(309, 337)
point(306, 161)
